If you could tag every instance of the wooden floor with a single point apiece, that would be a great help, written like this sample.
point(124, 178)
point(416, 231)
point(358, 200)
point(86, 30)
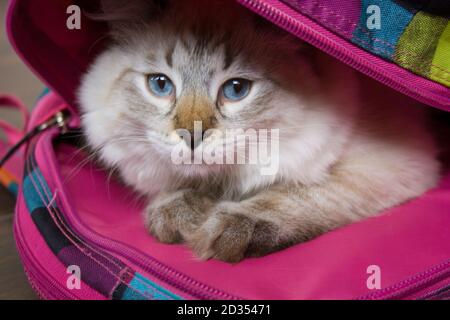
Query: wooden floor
point(15, 78)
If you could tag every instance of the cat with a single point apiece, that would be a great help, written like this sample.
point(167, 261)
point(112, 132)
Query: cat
point(349, 148)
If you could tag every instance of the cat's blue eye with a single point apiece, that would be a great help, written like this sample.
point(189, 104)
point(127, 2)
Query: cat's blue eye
point(160, 85)
point(236, 89)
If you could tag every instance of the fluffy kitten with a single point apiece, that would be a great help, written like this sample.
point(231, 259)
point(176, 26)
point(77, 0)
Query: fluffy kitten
point(343, 156)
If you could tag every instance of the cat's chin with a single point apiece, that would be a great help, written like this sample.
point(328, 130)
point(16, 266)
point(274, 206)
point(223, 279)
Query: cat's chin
point(197, 170)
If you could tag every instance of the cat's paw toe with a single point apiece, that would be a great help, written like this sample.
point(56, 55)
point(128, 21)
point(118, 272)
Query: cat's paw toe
point(160, 222)
point(224, 236)
point(171, 216)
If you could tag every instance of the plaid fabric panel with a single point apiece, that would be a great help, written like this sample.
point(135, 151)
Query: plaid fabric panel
point(9, 181)
point(100, 270)
point(139, 288)
point(440, 66)
point(414, 34)
point(393, 19)
point(417, 45)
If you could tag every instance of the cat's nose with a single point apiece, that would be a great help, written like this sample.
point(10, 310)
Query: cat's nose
point(195, 114)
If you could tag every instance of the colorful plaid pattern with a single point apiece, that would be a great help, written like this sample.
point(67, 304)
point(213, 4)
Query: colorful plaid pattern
point(414, 34)
point(9, 181)
point(100, 270)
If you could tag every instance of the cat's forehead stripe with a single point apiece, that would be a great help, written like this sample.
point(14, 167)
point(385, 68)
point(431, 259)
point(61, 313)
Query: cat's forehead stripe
point(228, 57)
point(150, 58)
point(169, 55)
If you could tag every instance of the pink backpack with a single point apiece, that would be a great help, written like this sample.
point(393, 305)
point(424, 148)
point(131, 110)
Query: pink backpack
point(69, 215)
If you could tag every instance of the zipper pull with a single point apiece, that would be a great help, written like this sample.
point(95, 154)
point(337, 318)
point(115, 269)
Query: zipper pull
point(59, 120)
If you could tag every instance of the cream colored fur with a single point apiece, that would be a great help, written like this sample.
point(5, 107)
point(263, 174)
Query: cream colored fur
point(349, 148)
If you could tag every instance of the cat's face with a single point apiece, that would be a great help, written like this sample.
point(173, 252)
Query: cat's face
point(185, 70)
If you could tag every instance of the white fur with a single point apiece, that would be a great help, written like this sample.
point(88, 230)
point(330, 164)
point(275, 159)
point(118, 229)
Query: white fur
point(320, 128)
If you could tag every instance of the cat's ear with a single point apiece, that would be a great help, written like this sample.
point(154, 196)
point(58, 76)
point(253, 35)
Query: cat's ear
point(124, 16)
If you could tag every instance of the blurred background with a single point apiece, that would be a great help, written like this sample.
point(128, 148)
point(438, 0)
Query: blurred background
point(16, 79)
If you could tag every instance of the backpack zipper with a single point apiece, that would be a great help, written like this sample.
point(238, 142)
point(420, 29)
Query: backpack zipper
point(59, 120)
point(268, 10)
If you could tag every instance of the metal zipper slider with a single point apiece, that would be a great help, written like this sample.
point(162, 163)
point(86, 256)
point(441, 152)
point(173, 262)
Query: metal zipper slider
point(59, 120)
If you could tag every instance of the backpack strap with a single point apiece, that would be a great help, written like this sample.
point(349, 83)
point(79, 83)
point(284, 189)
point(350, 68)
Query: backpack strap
point(13, 134)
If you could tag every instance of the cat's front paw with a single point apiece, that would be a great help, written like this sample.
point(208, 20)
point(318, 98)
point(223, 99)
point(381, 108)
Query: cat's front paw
point(230, 234)
point(170, 217)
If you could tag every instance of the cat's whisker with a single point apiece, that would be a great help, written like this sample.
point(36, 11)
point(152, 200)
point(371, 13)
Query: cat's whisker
point(108, 179)
point(79, 166)
point(93, 154)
